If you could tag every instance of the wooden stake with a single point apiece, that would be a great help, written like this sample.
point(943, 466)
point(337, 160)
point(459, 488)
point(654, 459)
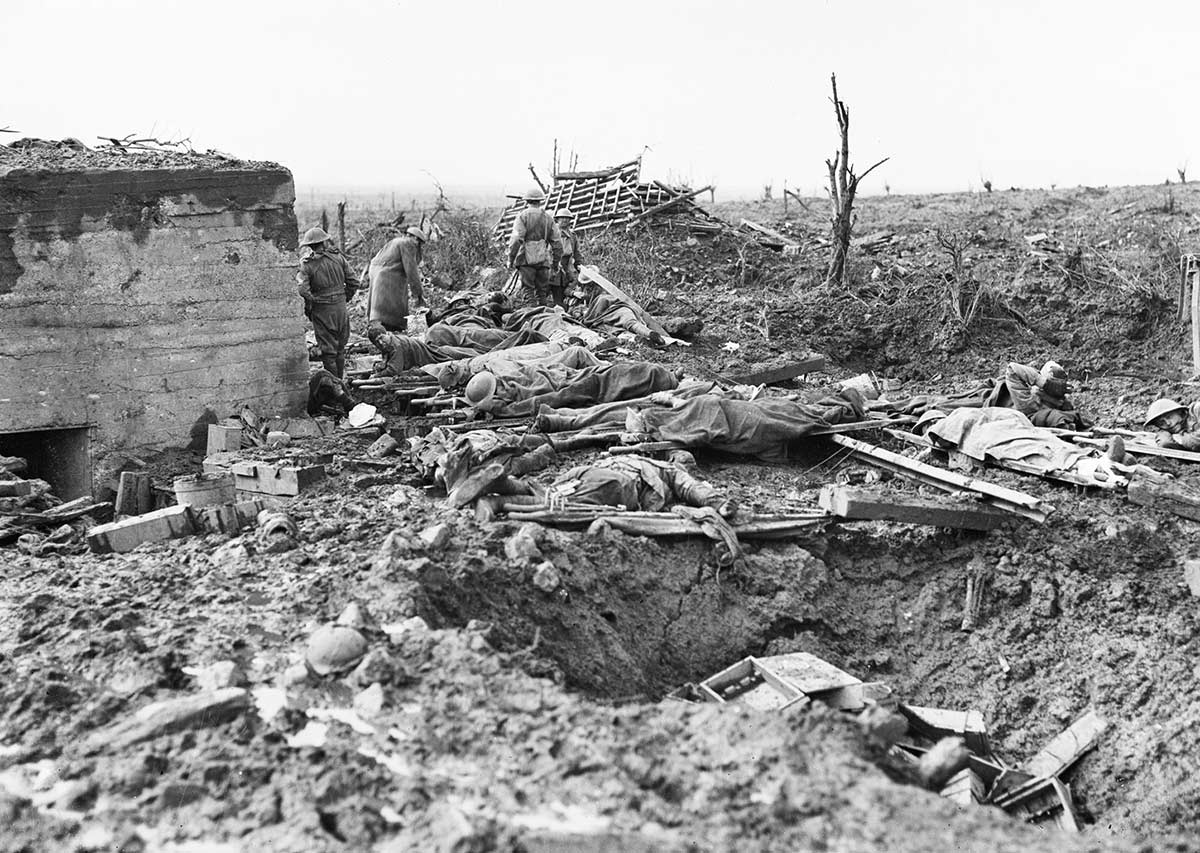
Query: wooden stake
point(1195, 276)
point(342, 225)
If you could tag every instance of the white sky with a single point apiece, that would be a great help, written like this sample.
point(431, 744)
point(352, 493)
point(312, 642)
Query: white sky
point(358, 94)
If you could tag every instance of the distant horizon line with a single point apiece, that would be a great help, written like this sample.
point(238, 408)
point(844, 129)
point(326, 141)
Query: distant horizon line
point(500, 192)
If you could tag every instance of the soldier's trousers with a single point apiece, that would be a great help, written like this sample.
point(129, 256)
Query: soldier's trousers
point(332, 325)
point(536, 282)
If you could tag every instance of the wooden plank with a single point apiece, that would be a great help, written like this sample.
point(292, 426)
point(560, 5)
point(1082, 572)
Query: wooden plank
point(15, 488)
point(767, 232)
point(669, 203)
point(133, 494)
point(1067, 746)
point(878, 505)
point(1175, 498)
point(1000, 496)
point(62, 513)
point(814, 364)
point(171, 522)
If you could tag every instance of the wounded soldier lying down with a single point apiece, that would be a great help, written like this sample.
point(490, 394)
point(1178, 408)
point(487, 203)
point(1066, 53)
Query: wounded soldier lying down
point(638, 483)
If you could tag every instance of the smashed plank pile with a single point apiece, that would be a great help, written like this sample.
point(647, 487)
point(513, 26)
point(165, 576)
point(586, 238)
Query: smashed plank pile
point(947, 751)
point(28, 506)
point(617, 196)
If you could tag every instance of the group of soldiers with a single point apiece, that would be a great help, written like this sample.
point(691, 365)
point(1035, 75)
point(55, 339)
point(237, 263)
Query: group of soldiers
point(543, 249)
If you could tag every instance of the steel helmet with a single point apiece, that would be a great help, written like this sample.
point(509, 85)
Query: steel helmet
point(418, 232)
point(563, 213)
point(535, 194)
point(1053, 370)
point(481, 388)
point(1162, 407)
point(926, 420)
point(314, 236)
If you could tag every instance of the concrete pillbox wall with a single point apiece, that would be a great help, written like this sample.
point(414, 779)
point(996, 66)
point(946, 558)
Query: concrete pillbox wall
point(144, 303)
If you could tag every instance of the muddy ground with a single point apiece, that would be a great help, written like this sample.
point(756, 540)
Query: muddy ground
point(512, 718)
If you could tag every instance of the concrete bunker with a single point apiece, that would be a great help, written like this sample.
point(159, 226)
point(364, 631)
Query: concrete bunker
point(141, 293)
point(61, 457)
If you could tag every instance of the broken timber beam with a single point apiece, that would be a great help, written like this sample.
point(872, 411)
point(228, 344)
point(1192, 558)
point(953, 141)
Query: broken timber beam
point(1065, 748)
point(1175, 498)
point(855, 504)
point(775, 236)
point(658, 208)
point(170, 522)
point(782, 374)
point(1007, 499)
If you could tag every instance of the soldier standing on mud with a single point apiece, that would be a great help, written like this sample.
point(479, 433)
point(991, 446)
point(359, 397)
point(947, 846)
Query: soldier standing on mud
point(567, 272)
point(394, 271)
point(535, 248)
point(326, 282)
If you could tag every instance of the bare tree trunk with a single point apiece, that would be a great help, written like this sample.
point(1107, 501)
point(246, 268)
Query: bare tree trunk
point(843, 185)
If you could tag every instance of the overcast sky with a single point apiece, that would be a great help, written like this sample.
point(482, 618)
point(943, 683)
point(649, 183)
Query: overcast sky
point(373, 94)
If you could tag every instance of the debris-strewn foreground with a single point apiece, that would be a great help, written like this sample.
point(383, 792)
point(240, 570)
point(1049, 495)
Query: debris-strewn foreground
point(488, 709)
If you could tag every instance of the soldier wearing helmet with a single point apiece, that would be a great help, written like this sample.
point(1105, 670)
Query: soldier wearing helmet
point(394, 271)
point(567, 272)
point(1039, 395)
point(325, 283)
point(535, 247)
point(1175, 425)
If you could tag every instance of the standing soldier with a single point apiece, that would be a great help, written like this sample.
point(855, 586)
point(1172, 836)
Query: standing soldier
point(572, 259)
point(535, 248)
point(325, 283)
point(393, 271)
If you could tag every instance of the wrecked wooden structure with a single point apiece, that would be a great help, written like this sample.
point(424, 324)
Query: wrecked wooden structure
point(615, 196)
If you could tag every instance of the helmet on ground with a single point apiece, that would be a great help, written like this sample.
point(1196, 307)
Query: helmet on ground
point(535, 194)
point(481, 388)
point(1162, 407)
point(926, 420)
point(314, 236)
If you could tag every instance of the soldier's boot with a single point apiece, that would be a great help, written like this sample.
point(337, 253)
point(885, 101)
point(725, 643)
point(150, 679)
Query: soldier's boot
point(558, 294)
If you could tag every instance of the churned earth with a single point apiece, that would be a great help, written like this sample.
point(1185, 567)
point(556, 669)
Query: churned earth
point(492, 714)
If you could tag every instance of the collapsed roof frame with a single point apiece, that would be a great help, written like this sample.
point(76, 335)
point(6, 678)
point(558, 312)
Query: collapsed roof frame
point(615, 196)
